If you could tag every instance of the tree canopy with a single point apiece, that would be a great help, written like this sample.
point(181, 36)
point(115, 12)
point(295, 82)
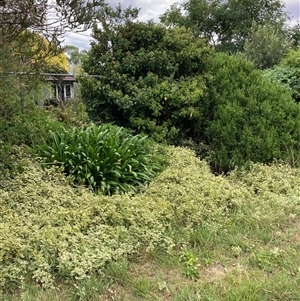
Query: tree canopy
point(35, 54)
point(50, 18)
point(225, 24)
point(75, 56)
point(266, 45)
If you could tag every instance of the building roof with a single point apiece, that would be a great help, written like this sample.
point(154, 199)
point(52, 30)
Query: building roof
point(61, 77)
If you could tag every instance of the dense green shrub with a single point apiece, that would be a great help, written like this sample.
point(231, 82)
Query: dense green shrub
point(29, 128)
point(286, 76)
point(105, 157)
point(150, 80)
point(248, 118)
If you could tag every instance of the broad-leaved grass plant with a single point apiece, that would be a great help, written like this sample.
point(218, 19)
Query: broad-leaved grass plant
point(105, 158)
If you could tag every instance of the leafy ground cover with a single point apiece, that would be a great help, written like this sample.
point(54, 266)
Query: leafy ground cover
point(189, 235)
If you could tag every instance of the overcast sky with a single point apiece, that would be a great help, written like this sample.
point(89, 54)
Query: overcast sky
point(151, 9)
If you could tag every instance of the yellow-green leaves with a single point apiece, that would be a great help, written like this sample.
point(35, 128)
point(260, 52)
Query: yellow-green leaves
point(49, 230)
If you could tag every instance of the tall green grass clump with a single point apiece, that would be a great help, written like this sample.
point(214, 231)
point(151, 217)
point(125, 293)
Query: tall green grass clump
point(105, 158)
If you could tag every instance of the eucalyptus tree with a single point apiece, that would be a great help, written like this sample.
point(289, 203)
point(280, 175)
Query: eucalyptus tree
point(48, 17)
point(226, 24)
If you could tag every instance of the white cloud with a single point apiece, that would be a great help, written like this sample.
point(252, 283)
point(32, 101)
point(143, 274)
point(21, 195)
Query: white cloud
point(151, 9)
point(79, 39)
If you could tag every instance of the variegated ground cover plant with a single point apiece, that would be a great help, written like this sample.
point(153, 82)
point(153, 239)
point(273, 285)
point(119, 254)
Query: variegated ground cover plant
point(50, 230)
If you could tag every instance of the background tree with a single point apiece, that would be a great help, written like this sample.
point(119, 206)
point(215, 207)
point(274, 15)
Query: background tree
point(36, 55)
point(150, 78)
point(225, 24)
point(266, 45)
point(294, 34)
point(75, 58)
point(75, 55)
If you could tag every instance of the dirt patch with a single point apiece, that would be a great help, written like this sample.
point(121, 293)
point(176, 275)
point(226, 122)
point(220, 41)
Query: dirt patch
point(213, 272)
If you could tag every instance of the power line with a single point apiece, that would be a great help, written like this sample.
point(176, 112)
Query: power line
point(81, 34)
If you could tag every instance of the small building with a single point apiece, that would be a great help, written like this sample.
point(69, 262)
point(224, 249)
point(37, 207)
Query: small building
point(61, 87)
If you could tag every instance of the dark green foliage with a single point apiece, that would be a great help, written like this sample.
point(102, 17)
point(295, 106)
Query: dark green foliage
point(151, 79)
point(287, 73)
point(106, 158)
point(249, 118)
point(171, 86)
